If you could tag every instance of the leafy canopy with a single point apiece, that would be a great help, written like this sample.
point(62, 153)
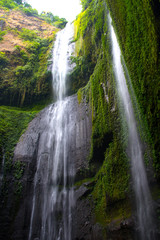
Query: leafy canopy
point(29, 11)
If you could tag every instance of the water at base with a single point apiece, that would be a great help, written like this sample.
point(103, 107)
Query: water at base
point(53, 197)
point(144, 204)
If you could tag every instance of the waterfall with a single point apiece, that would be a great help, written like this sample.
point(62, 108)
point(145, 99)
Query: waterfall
point(62, 50)
point(144, 205)
point(53, 198)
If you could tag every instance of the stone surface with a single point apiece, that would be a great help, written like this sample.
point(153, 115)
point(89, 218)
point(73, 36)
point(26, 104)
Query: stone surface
point(84, 226)
point(15, 217)
point(26, 152)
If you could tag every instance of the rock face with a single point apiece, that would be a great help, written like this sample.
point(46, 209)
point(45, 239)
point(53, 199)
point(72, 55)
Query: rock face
point(16, 215)
point(26, 152)
point(85, 226)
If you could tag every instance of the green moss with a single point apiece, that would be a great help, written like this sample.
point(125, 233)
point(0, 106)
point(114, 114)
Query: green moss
point(3, 60)
point(112, 186)
point(12, 124)
point(18, 169)
point(108, 142)
point(2, 33)
point(137, 26)
point(80, 95)
point(85, 180)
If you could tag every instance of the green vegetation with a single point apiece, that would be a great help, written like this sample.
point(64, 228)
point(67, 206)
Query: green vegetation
point(2, 33)
point(108, 142)
point(85, 3)
point(80, 75)
point(25, 82)
point(25, 77)
point(18, 173)
point(3, 60)
point(137, 25)
point(18, 4)
point(29, 11)
point(13, 121)
point(54, 20)
point(8, 4)
point(80, 95)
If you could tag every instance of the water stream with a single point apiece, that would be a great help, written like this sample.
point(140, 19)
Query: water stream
point(144, 204)
point(53, 197)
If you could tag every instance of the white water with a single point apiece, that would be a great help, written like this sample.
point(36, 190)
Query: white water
point(62, 51)
point(53, 197)
point(144, 205)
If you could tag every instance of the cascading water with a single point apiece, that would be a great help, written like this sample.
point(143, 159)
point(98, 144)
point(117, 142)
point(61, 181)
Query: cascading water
point(144, 205)
point(53, 197)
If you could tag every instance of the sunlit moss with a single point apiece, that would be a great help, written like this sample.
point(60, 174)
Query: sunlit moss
point(136, 25)
point(111, 184)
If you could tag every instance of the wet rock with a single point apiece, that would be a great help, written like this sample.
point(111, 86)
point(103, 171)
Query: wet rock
point(84, 226)
point(80, 192)
point(123, 230)
point(26, 152)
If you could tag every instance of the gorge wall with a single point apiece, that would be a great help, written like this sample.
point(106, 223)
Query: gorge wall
point(136, 26)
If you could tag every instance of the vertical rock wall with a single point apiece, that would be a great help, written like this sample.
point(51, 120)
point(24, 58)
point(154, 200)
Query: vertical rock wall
point(26, 152)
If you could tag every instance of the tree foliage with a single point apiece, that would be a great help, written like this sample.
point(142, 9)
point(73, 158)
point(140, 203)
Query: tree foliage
point(29, 11)
point(25, 77)
point(9, 4)
point(18, 1)
point(54, 20)
point(85, 3)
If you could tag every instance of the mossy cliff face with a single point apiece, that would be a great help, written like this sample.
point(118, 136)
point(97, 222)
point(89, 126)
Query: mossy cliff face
point(136, 25)
point(25, 49)
point(13, 121)
point(109, 167)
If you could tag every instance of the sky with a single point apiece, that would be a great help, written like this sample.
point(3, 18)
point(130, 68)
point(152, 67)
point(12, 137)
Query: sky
point(68, 9)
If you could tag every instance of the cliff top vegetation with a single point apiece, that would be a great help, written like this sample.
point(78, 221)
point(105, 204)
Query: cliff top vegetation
point(26, 42)
point(26, 39)
point(26, 8)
